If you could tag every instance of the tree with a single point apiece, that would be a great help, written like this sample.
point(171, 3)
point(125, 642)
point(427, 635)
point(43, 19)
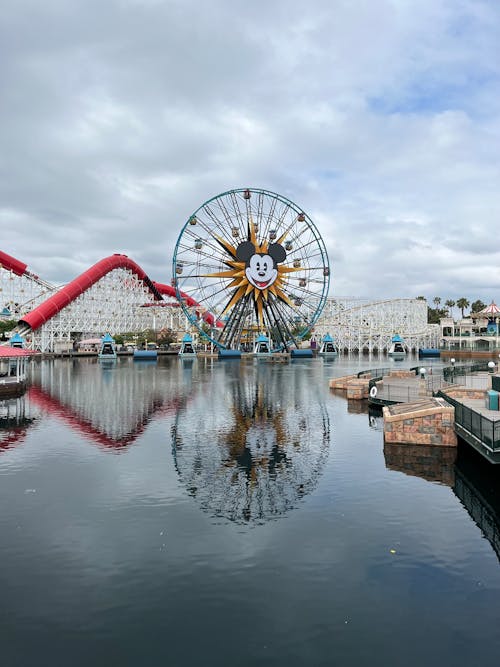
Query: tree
point(435, 314)
point(5, 326)
point(436, 300)
point(166, 337)
point(477, 306)
point(462, 303)
point(449, 304)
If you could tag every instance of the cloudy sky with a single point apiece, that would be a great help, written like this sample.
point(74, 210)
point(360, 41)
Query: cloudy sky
point(380, 118)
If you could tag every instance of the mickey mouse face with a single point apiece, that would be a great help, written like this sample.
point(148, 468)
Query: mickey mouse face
point(261, 269)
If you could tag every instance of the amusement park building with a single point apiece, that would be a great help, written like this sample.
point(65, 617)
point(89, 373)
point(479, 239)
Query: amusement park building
point(115, 295)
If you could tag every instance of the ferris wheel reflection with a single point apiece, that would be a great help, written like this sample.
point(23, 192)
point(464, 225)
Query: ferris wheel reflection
point(253, 445)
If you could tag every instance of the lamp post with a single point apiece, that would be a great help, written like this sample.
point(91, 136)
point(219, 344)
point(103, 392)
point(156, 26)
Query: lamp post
point(422, 373)
point(491, 366)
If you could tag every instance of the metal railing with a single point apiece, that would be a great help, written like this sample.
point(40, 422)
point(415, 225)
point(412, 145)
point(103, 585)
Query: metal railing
point(392, 394)
point(481, 427)
point(378, 373)
point(454, 373)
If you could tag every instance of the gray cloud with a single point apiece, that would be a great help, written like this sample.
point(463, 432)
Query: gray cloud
point(380, 119)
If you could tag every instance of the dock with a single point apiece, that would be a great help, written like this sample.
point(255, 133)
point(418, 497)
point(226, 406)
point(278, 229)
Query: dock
point(432, 410)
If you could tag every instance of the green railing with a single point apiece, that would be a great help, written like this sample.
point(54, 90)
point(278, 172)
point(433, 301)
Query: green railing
point(478, 425)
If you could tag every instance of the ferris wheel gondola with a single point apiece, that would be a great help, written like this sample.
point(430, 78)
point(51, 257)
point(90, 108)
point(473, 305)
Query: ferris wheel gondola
point(255, 263)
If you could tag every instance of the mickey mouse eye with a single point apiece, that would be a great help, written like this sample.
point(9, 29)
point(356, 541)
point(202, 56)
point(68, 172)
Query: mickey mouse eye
point(265, 266)
point(258, 266)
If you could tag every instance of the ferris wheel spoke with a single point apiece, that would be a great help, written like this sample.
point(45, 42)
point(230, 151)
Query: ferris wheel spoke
point(281, 322)
point(269, 218)
point(238, 214)
point(213, 245)
point(216, 222)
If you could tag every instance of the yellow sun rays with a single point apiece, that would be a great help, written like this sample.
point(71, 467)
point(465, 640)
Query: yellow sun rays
point(240, 282)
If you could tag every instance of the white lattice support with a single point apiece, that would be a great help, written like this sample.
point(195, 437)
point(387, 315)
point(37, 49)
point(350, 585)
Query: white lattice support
point(20, 294)
point(360, 325)
point(114, 304)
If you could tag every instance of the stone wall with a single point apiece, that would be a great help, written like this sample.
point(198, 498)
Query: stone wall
point(425, 422)
point(357, 389)
point(341, 383)
point(461, 393)
point(402, 374)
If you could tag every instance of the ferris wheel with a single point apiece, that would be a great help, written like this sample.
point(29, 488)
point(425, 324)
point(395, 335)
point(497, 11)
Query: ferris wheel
point(251, 261)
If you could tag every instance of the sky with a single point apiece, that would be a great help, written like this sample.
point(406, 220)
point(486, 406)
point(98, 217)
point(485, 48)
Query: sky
point(379, 118)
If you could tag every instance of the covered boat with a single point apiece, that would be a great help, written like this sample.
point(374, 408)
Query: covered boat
point(398, 348)
point(328, 346)
point(262, 346)
point(107, 350)
point(187, 348)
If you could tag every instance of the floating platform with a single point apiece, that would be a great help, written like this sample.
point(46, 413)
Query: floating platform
point(145, 354)
point(229, 354)
point(301, 354)
point(429, 352)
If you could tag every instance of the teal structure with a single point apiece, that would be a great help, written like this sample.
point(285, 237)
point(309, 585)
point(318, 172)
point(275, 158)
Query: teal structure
point(187, 347)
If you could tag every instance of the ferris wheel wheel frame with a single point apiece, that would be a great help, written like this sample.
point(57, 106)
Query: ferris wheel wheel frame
point(211, 318)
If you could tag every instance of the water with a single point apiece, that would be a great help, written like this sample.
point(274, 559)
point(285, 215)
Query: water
point(235, 513)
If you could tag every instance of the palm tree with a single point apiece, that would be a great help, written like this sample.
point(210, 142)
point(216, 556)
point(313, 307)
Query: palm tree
point(449, 304)
point(437, 301)
point(462, 303)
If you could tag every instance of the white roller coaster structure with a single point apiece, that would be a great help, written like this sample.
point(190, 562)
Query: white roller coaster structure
point(364, 326)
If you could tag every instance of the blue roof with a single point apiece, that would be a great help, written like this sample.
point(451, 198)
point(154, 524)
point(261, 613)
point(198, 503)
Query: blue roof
point(107, 338)
point(6, 312)
point(187, 338)
point(16, 338)
point(262, 339)
point(397, 339)
point(327, 339)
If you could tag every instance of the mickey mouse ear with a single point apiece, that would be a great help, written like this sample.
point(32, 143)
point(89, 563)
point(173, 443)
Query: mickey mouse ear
point(277, 252)
point(245, 250)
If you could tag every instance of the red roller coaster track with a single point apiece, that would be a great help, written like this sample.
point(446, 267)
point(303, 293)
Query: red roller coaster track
point(55, 303)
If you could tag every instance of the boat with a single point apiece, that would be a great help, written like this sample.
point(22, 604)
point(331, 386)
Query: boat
point(13, 371)
point(328, 347)
point(107, 351)
point(262, 346)
point(187, 348)
point(398, 348)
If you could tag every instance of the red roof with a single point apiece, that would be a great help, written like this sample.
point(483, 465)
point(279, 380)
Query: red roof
point(492, 309)
point(76, 287)
point(8, 351)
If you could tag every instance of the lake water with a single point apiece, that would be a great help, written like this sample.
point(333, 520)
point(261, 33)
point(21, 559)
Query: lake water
point(235, 513)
